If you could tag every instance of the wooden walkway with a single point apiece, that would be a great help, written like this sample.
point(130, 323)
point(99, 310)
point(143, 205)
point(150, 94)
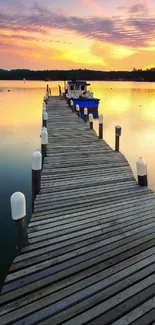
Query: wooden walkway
point(91, 258)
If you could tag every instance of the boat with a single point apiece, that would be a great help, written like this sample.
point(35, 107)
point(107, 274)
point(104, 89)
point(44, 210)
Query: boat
point(77, 90)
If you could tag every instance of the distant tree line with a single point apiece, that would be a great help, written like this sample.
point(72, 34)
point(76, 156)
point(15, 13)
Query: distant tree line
point(134, 75)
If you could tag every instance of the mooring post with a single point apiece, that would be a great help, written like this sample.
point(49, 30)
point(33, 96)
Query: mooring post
point(45, 99)
point(142, 172)
point(44, 107)
point(91, 121)
point(47, 88)
point(44, 143)
point(18, 212)
point(72, 105)
point(117, 136)
point(78, 109)
point(45, 118)
point(36, 175)
point(100, 126)
point(85, 114)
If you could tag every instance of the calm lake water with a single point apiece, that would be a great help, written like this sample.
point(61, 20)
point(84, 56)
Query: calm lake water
point(131, 105)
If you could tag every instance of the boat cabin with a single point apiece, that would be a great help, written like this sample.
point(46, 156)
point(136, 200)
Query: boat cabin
point(77, 87)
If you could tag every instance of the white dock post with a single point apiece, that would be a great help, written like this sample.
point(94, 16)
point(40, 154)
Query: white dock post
point(36, 175)
point(18, 212)
point(142, 172)
point(44, 143)
point(85, 114)
point(91, 121)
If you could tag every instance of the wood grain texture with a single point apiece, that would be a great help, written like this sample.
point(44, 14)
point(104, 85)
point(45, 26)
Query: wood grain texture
point(91, 257)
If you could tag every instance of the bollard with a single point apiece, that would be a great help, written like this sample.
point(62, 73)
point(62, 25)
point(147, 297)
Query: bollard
point(45, 100)
point(44, 106)
point(142, 172)
point(72, 105)
point(36, 175)
point(78, 109)
point(18, 212)
point(100, 126)
point(44, 142)
point(85, 114)
point(117, 136)
point(91, 121)
point(45, 119)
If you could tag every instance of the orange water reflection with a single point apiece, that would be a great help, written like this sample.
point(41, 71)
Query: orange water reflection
point(131, 105)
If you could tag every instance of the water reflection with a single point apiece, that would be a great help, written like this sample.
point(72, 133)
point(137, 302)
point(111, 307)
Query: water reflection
point(131, 105)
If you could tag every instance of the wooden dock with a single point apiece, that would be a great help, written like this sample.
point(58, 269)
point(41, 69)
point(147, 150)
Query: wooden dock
point(91, 258)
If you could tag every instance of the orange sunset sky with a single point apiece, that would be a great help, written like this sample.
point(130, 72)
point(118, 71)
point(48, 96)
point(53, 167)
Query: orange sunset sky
point(68, 34)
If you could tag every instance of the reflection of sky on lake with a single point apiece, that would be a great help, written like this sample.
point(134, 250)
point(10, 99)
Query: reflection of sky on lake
point(20, 124)
point(131, 105)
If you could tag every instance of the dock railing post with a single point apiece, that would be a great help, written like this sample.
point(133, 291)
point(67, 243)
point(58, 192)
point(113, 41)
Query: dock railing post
point(45, 118)
point(44, 143)
point(91, 121)
point(43, 111)
point(45, 100)
point(117, 137)
point(100, 126)
point(36, 175)
point(142, 172)
point(78, 109)
point(85, 114)
point(72, 105)
point(18, 212)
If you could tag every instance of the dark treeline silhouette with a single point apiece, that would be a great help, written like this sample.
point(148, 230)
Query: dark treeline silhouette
point(134, 75)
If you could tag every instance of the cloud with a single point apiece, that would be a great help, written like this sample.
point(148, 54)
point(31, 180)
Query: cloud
point(129, 31)
point(122, 58)
point(138, 8)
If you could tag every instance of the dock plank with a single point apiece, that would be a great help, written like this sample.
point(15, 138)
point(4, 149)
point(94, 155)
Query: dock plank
point(91, 253)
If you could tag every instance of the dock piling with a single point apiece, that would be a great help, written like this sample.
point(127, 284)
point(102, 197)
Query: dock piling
point(44, 142)
point(117, 136)
point(45, 118)
point(100, 126)
point(78, 109)
point(36, 175)
point(85, 114)
point(18, 212)
point(142, 172)
point(45, 99)
point(72, 105)
point(91, 121)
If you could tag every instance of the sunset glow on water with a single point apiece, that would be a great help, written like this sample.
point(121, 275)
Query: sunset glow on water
point(131, 105)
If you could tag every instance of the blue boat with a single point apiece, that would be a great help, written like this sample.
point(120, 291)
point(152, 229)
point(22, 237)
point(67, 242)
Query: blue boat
point(77, 91)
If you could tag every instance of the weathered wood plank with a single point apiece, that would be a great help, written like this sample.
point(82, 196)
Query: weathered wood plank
point(92, 245)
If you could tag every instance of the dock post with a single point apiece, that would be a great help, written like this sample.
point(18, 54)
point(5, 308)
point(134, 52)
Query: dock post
point(47, 88)
point(44, 106)
point(44, 142)
point(100, 126)
point(45, 118)
point(91, 121)
point(142, 172)
point(36, 175)
point(18, 212)
point(85, 114)
point(45, 100)
point(117, 136)
point(78, 109)
point(72, 105)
